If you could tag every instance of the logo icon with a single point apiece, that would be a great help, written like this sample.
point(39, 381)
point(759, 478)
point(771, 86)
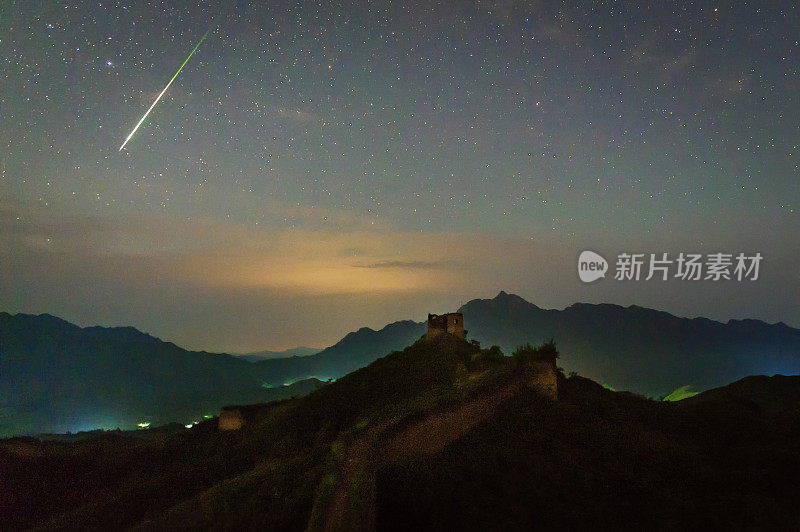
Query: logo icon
point(591, 266)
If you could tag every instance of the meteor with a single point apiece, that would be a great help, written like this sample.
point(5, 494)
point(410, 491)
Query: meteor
point(163, 91)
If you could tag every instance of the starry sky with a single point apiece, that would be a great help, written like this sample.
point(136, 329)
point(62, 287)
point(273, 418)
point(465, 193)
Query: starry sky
point(321, 166)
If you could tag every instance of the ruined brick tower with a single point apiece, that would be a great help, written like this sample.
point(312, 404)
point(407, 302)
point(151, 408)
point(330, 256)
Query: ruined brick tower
point(452, 323)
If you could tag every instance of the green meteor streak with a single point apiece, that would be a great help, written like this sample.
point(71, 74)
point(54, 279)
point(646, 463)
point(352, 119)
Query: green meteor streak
point(163, 91)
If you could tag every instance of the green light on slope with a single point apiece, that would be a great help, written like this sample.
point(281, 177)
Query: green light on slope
point(681, 393)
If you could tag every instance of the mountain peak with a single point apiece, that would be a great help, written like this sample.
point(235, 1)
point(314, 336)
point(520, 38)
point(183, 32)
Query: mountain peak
point(511, 299)
point(502, 299)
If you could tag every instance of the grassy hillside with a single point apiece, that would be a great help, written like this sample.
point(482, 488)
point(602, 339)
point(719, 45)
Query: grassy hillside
point(439, 435)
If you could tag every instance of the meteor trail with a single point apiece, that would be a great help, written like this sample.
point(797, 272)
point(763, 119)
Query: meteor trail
point(163, 91)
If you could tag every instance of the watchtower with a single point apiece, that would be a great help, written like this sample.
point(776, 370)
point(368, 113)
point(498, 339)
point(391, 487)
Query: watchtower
point(451, 323)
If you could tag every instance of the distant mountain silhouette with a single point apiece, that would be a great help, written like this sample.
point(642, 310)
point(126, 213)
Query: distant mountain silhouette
point(355, 350)
point(639, 349)
point(628, 348)
point(257, 356)
point(55, 376)
point(58, 377)
point(438, 436)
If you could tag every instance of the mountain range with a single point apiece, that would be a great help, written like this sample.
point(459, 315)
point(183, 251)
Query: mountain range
point(639, 349)
point(355, 350)
point(56, 376)
point(439, 436)
point(286, 353)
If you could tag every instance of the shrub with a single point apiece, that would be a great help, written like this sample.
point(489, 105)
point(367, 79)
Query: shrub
point(492, 355)
point(545, 352)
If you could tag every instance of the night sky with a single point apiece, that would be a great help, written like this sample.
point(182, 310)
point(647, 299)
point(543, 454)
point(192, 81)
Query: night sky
point(318, 167)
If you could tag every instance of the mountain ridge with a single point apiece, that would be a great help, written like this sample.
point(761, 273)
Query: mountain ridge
point(440, 435)
point(266, 354)
point(633, 348)
point(57, 377)
point(627, 347)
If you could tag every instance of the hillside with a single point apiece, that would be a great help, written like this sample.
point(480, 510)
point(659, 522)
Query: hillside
point(58, 377)
point(778, 395)
point(440, 435)
point(629, 348)
point(355, 350)
point(639, 349)
point(55, 376)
